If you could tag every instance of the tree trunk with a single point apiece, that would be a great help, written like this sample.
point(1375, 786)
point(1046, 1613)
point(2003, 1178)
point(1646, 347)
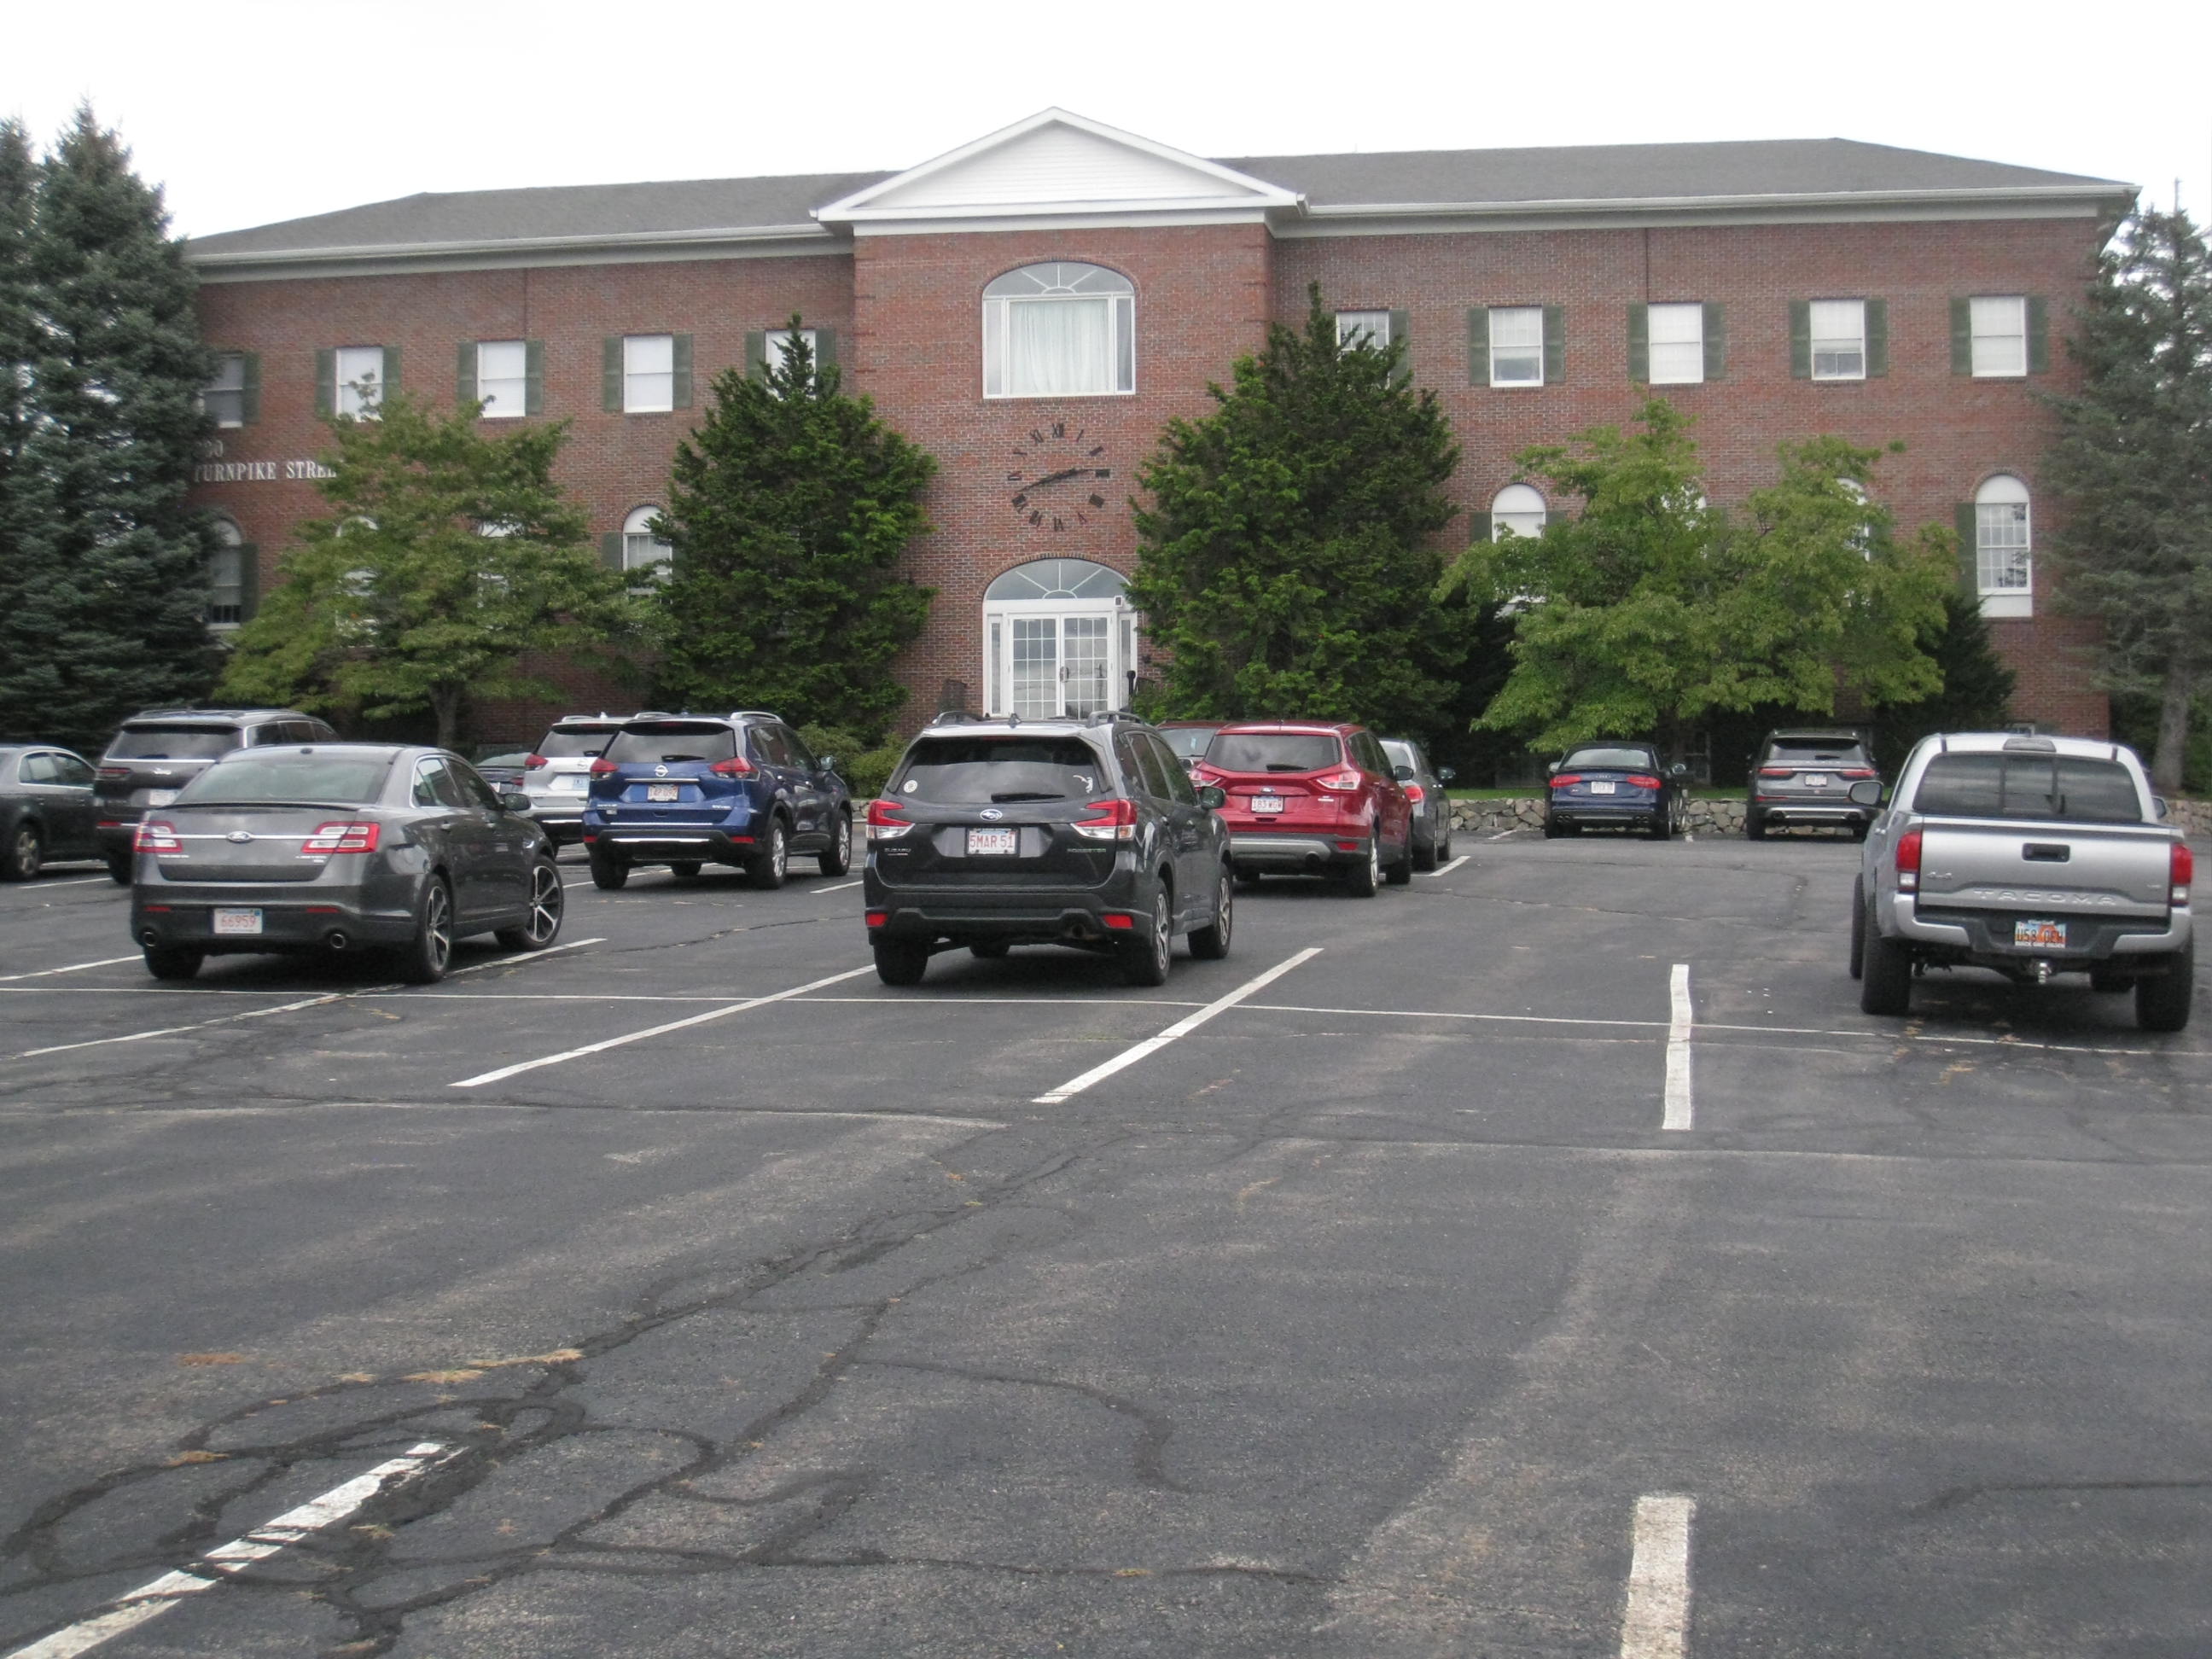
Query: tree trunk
point(2173, 729)
point(446, 704)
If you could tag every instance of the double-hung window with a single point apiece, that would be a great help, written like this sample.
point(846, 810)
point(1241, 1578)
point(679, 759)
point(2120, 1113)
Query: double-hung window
point(1369, 327)
point(776, 343)
point(648, 374)
point(1060, 331)
point(360, 377)
point(2004, 548)
point(1677, 344)
point(228, 576)
point(1517, 345)
point(1999, 336)
point(1840, 339)
point(502, 378)
point(232, 399)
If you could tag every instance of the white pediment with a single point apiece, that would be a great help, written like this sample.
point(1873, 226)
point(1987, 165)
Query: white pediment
point(1059, 164)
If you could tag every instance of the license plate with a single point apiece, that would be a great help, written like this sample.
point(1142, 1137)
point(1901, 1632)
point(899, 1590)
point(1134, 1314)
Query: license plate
point(1267, 803)
point(1601, 788)
point(997, 842)
point(2039, 935)
point(160, 797)
point(660, 792)
point(228, 922)
point(1816, 779)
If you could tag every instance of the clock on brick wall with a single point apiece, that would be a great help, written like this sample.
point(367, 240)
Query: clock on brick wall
point(1057, 479)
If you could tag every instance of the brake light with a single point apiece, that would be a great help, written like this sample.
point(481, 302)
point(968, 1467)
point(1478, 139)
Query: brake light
point(879, 918)
point(1778, 771)
point(1111, 820)
point(1120, 920)
point(341, 838)
point(532, 762)
point(1566, 778)
point(1343, 780)
point(887, 821)
point(1415, 793)
point(736, 766)
point(115, 771)
point(157, 838)
point(1643, 781)
point(1858, 772)
point(1908, 861)
point(2180, 872)
point(604, 768)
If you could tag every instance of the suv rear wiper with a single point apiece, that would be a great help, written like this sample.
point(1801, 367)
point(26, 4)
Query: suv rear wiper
point(1030, 794)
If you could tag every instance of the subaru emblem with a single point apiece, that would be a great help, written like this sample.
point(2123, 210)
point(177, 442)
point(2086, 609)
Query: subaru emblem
point(992, 813)
point(661, 771)
point(238, 835)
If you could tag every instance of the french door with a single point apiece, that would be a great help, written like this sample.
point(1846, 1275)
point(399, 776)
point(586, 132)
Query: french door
point(1046, 658)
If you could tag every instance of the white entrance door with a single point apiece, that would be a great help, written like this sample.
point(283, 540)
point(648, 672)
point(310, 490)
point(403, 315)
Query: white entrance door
point(1045, 659)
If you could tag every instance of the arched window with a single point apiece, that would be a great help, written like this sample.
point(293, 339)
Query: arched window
point(2004, 548)
point(1060, 331)
point(1516, 510)
point(1058, 638)
point(228, 577)
point(642, 549)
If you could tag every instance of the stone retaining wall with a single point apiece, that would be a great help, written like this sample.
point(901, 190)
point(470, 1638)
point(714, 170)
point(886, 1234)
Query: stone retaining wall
point(1721, 818)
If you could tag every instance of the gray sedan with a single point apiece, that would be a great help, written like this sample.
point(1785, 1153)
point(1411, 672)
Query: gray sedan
point(46, 809)
point(340, 848)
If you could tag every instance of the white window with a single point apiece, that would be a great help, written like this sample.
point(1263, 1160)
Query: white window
point(2003, 547)
point(227, 577)
point(360, 380)
point(1838, 339)
point(648, 374)
point(642, 549)
point(1373, 326)
point(224, 396)
point(502, 378)
point(1060, 639)
point(2000, 327)
point(1517, 345)
point(1516, 510)
point(1060, 331)
point(777, 343)
point(1861, 538)
point(1678, 345)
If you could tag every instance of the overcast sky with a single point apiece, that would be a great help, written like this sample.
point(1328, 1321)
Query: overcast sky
point(253, 111)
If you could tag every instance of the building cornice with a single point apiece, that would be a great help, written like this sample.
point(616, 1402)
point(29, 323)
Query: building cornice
point(633, 247)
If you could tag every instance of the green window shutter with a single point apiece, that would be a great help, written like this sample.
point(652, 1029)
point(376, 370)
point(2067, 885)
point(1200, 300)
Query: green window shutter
point(326, 382)
point(611, 549)
point(1401, 335)
point(1478, 345)
point(249, 581)
point(249, 400)
point(533, 377)
point(1877, 338)
point(680, 353)
point(1962, 337)
point(1715, 340)
point(1800, 339)
point(756, 354)
point(391, 372)
point(610, 375)
point(1639, 344)
point(2039, 336)
point(1555, 345)
point(1478, 527)
point(1969, 573)
point(465, 373)
point(825, 348)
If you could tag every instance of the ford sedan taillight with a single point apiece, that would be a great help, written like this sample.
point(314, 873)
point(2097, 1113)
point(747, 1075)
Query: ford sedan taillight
point(157, 838)
point(341, 838)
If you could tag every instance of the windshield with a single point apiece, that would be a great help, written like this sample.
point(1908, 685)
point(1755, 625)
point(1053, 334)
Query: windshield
point(975, 771)
point(2063, 786)
point(346, 780)
point(174, 742)
point(635, 744)
point(1189, 742)
point(1274, 752)
point(1797, 750)
point(568, 744)
point(1638, 760)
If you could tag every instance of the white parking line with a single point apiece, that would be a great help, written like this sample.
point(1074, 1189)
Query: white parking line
point(839, 888)
point(1446, 869)
point(1656, 1624)
point(1678, 1050)
point(1501, 834)
point(505, 1072)
point(69, 881)
point(73, 968)
point(153, 1599)
point(1181, 1028)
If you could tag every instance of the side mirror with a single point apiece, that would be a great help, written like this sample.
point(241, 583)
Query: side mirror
point(1445, 775)
point(826, 763)
point(513, 800)
point(1212, 796)
point(1552, 768)
point(1866, 793)
point(1680, 769)
point(1405, 774)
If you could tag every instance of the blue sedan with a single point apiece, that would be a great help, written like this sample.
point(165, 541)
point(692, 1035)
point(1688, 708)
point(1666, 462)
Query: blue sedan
point(1614, 786)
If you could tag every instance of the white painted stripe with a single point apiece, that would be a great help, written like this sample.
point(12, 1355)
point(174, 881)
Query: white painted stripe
point(1678, 1050)
point(839, 888)
point(1181, 1027)
point(1431, 1013)
point(153, 1599)
point(1446, 869)
point(72, 881)
point(73, 968)
point(505, 1072)
point(1502, 835)
point(521, 961)
point(1656, 1624)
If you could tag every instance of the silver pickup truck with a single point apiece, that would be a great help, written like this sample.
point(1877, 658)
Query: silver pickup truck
point(2033, 856)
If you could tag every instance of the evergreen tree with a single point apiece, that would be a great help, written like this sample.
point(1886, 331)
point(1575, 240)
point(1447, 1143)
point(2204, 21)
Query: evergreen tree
point(2134, 459)
point(448, 557)
point(103, 572)
point(789, 508)
point(1286, 564)
point(1977, 691)
point(18, 315)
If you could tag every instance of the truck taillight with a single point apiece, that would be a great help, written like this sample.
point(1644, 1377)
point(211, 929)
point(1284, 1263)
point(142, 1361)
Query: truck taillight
point(157, 838)
point(1908, 861)
point(343, 838)
point(2179, 872)
point(887, 821)
point(1109, 820)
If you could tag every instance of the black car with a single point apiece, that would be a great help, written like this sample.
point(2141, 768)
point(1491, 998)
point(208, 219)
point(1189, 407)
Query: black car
point(158, 752)
point(340, 848)
point(46, 809)
point(1614, 785)
point(1805, 777)
point(1424, 787)
point(501, 764)
point(1087, 833)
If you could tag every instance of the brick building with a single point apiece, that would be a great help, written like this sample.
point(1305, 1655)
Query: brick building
point(1032, 307)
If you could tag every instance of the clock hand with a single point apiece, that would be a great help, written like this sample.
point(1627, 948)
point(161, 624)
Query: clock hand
point(1054, 477)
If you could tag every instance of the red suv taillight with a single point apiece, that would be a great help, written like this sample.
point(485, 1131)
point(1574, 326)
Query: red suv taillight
point(887, 821)
point(1109, 820)
point(343, 838)
point(736, 766)
point(157, 838)
point(604, 768)
point(1415, 793)
point(1345, 782)
point(1908, 861)
point(2179, 872)
point(1858, 772)
point(1778, 771)
point(532, 762)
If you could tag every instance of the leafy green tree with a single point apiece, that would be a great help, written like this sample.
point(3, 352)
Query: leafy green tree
point(2133, 458)
point(1286, 563)
point(790, 506)
point(449, 558)
point(1653, 607)
point(1976, 694)
point(103, 567)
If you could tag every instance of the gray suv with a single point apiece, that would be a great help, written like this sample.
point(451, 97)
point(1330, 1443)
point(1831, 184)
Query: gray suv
point(160, 752)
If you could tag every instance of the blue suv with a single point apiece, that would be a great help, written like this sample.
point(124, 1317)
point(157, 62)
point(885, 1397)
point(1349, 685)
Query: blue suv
point(688, 790)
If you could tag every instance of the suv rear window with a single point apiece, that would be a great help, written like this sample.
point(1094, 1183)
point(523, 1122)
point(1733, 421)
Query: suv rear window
point(1842, 752)
point(341, 780)
point(1189, 742)
point(1274, 752)
point(672, 741)
point(2067, 788)
point(567, 743)
point(174, 742)
point(972, 771)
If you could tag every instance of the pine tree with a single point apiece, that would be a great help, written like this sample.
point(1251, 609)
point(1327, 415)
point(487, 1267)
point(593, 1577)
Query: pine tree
point(1286, 566)
point(2134, 459)
point(790, 506)
point(103, 609)
point(18, 316)
point(1977, 687)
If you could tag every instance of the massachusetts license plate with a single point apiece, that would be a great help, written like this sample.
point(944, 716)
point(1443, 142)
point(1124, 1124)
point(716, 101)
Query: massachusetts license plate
point(1001, 842)
point(231, 922)
point(1267, 803)
point(1816, 779)
point(160, 797)
point(1601, 788)
point(660, 792)
point(2039, 935)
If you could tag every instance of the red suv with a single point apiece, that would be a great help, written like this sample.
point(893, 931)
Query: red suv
point(1308, 799)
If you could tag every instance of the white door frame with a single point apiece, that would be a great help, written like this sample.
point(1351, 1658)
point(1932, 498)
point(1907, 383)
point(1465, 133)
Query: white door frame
point(1120, 653)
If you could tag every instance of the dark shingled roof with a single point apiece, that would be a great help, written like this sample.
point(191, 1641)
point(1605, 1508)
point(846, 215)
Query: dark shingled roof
point(1595, 173)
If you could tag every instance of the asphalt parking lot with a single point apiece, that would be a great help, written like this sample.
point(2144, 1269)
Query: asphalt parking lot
point(1548, 1259)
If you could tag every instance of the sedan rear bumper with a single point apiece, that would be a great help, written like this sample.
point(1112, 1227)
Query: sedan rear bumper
point(294, 920)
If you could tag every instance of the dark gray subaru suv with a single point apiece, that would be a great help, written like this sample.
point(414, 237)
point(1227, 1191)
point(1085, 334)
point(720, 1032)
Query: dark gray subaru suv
point(1081, 832)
